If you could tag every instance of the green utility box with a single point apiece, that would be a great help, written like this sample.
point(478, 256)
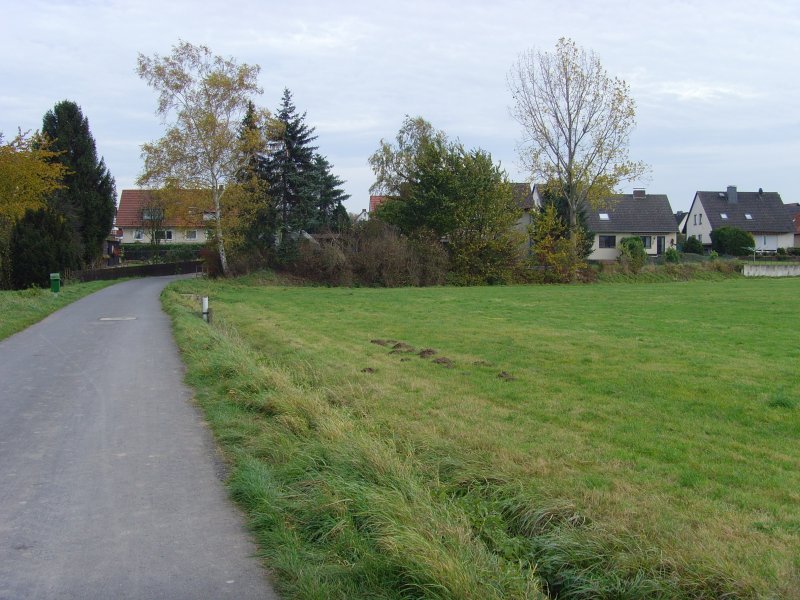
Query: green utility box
point(55, 282)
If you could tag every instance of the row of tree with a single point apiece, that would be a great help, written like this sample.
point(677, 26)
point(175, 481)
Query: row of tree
point(577, 122)
point(266, 181)
point(57, 199)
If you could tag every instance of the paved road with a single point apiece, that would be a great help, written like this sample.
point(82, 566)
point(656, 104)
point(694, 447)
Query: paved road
point(109, 482)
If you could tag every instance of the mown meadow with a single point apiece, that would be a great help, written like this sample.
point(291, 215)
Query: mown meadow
point(596, 441)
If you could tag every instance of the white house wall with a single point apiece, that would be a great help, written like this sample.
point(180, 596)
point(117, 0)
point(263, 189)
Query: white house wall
point(605, 254)
point(697, 224)
point(178, 236)
point(773, 241)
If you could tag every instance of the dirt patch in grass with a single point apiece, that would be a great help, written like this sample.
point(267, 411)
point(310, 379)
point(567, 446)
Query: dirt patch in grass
point(482, 363)
point(367, 370)
point(505, 375)
point(445, 362)
point(402, 348)
point(426, 353)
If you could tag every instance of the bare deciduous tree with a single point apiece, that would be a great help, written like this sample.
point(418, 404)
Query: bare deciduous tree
point(577, 123)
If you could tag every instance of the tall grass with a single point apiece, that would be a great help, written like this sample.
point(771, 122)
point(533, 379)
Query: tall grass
point(606, 466)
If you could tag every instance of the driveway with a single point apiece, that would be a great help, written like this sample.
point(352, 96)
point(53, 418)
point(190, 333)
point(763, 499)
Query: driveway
point(110, 486)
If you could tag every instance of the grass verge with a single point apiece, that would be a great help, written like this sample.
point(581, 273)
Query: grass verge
point(23, 308)
point(602, 441)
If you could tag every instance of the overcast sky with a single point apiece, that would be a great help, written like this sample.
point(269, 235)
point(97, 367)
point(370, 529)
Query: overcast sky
point(717, 84)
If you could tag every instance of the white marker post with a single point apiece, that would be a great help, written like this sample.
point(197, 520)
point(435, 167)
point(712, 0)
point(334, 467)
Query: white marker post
point(205, 309)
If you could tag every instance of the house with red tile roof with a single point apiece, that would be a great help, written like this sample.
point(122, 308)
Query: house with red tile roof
point(375, 202)
point(187, 216)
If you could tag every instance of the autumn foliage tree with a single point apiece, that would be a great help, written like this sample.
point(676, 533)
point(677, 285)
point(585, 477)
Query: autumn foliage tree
point(28, 175)
point(556, 257)
point(438, 188)
point(207, 96)
point(576, 123)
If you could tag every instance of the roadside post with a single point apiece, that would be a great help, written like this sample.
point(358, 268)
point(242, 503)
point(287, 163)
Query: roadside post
point(206, 312)
point(55, 282)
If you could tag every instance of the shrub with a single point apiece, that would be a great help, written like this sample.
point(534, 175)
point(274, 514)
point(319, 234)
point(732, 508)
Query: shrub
point(713, 255)
point(672, 256)
point(781, 252)
point(210, 256)
point(557, 258)
point(42, 242)
point(168, 252)
point(632, 254)
point(732, 241)
point(374, 254)
point(326, 263)
point(693, 246)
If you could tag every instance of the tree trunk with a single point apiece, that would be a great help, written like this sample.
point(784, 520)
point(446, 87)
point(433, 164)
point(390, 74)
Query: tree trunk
point(223, 259)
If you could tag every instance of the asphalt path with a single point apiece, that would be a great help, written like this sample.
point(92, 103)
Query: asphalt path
point(110, 485)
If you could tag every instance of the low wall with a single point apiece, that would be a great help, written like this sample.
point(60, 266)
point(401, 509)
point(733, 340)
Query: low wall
point(773, 270)
point(179, 268)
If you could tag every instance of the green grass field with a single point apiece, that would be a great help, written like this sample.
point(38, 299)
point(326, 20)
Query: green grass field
point(602, 441)
point(23, 308)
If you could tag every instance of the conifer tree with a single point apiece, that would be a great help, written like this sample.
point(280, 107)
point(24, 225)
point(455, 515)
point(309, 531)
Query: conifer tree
point(88, 197)
point(329, 197)
point(289, 166)
point(259, 226)
point(41, 243)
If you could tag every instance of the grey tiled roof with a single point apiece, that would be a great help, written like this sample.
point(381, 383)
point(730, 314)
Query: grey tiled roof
point(767, 209)
point(626, 214)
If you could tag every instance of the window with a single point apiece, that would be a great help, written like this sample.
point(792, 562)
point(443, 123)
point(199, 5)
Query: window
point(607, 241)
point(169, 234)
point(699, 237)
point(723, 216)
point(700, 219)
point(191, 234)
point(604, 217)
point(748, 216)
point(647, 240)
point(164, 235)
point(695, 219)
point(152, 214)
point(138, 234)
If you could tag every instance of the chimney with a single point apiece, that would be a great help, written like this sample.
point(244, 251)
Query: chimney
point(733, 196)
point(639, 193)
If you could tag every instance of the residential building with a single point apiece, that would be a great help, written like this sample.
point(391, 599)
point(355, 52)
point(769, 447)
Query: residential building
point(794, 213)
point(760, 213)
point(186, 222)
point(648, 216)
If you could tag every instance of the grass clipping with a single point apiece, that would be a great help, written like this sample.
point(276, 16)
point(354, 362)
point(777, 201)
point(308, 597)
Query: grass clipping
point(342, 513)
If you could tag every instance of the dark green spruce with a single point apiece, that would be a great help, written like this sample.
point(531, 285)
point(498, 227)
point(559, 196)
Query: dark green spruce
point(41, 243)
point(289, 166)
point(88, 199)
